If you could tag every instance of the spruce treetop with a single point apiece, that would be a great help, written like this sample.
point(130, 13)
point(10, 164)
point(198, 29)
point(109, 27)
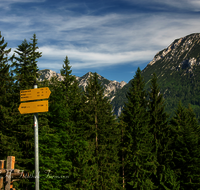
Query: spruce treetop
point(25, 63)
point(3, 52)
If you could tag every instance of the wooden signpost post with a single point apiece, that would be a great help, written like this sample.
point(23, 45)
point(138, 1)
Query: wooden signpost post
point(1, 178)
point(10, 174)
point(35, 107)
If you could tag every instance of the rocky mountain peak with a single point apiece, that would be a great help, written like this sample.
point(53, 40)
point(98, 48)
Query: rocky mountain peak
point(111, 87)
point(181, 55)
point(48, 74)
point(181, 49)
point(177, 68)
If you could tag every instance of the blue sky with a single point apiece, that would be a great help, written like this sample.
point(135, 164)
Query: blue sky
point(110, 37)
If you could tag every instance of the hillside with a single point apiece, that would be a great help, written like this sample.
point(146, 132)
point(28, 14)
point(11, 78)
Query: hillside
point(178, 69)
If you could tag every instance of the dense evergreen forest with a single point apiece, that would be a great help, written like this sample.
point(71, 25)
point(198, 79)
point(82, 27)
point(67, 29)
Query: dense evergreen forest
point(82, 145)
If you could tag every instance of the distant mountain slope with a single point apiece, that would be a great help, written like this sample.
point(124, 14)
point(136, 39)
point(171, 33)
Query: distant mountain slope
point(178, 71)
point(111, 87)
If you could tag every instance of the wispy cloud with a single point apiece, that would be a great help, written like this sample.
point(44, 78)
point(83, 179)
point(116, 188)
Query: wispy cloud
point(98, 40)
point(6, 4)
point(168, 5)
point(88, 59)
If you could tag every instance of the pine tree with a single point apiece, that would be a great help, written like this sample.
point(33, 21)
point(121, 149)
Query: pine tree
point(72, 103)
point(6, 137)
point(71, 91)
point(5, 78)
point(25, 65)
point(68, 151)
point(161, 133)
point(34, 55)
point(136, 140)
point(101, 132)
point(54, 141)
point(25, 69)
point(68, 78)
point(185, 146)
point(122, 126)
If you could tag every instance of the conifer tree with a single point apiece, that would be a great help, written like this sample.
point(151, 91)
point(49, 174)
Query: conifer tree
point(102, 133)
point(6, 137)
point(25, 69)
point(161, 135)
point(122, 126)
point(68, 78)
point(71, 95)
point(63, 142)
point(34, 56)
point(185, 146)
point(54, 141)
point(136, 140)
point(71, 91)
point(5, 78)
point(25, 63)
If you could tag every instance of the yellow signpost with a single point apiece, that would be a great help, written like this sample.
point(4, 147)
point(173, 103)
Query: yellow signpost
point(33, 107)
point(34, 94)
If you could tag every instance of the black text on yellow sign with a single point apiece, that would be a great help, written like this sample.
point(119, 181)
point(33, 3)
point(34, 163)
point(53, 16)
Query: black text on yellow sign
point(34, 94)
point(33, 107)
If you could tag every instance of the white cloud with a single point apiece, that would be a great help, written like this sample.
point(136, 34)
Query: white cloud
point(169, 5)
point(6, 4)
point(98, 40)
point(92, 59)
point(184, 4)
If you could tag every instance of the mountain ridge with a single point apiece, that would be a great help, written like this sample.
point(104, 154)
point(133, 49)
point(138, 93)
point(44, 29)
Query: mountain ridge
point(111, 87)
point(178, 70)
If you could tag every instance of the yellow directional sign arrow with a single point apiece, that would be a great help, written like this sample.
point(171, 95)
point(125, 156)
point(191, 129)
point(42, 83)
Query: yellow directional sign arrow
point(33, 107)
point(34, 94)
